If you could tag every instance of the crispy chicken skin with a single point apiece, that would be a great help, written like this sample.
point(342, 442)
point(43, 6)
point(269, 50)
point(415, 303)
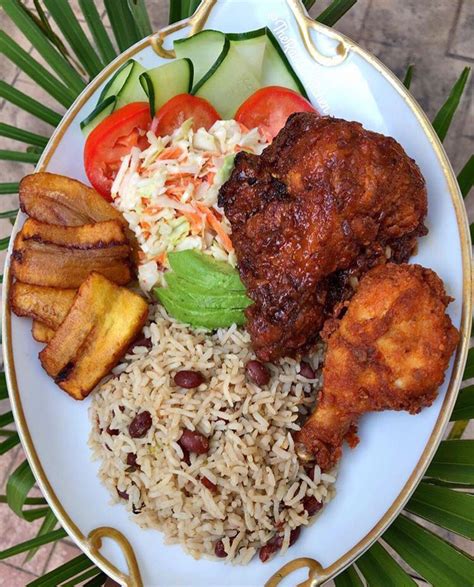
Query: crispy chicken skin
point(388, 352)
point(323, 203)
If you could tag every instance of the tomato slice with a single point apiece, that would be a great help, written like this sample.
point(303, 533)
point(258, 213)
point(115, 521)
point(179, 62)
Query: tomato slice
point(111, 140)
point(177, 110)
point(269, 109)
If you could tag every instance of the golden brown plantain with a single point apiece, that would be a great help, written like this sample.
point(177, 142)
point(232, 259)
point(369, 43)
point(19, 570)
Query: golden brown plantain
point(102, 323)
point(50, 265)
point(41, 332)
point(56, 199)
point(109, 233)
point(48, 305)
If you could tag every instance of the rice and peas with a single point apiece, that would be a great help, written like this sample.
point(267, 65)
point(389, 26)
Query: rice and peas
point(213, 467)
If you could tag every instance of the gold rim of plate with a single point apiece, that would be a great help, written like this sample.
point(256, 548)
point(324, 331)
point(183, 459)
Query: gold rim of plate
point(317, 575)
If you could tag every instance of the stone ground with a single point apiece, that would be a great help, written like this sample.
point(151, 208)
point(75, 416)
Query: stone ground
point(436, 35)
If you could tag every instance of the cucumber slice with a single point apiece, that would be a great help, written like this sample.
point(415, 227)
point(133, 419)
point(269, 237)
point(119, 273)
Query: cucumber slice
point(277, 70)
point(203, 49)
point(251, 47)
point(132, 90)
point(167, 81)
point(125, 85)
point(116, 82)
point(228, 83)
point(101, 111)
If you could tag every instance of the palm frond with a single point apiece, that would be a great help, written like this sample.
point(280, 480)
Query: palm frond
point(46, 538)
point(408, 76)
point(380, 568)
point(19, 156)
point(62, 13)
point(36, 36)
point(466, 177)
point(24, 136)
point(124, 27)
point(97, 29)
point(335, 11)
point(63, 94)
point(443, 119)
point(28, 104)
point(433, 558)
point(66, 571)
point(454, 463)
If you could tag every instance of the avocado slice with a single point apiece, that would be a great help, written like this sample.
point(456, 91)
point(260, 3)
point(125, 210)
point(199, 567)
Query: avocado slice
point(195, 316)
point(205, 271)
point(197, 296)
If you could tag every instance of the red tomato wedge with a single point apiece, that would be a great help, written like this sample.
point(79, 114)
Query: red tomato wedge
point(111, 140)
point(177, 110)
point(269, 109)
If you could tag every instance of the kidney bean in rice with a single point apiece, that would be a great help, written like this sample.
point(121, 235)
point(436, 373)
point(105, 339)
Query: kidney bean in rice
point(255, 490)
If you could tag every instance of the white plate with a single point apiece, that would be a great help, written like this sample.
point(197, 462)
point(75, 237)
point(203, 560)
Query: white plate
point(375, 479)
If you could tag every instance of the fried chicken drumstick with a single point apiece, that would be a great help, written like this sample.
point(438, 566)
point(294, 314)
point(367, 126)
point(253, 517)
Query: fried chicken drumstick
point(388, 352)
point(323, 203)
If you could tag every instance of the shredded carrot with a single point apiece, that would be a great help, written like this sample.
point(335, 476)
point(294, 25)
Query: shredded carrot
point(170, 153)
point(217, 228)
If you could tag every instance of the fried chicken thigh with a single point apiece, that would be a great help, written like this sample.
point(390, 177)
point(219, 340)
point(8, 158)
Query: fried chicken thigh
point(322, 204)
point(388, 352)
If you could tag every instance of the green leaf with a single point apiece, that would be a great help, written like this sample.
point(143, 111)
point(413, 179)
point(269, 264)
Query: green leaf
point(444, 507)
point(125, 31)
point(35, 71)
point(29, 104)
point(442, 120)
point(464, 408)
point(18, 156)
point(9, 188)
point(453, 462)
point(49, 523)
point(82, 577)
point(469, 369)
point(3, 387)
point(41, 43)
point(57, 576)
point(11, 132)
point(174, 11)
point(33, 543)
point(308, 4)
point(97, 29)
point(97, 581)
point(19, 485)
point(66, 20)
point(335, 11)
point(9, 443)
point(433, 558)
point(6, 419)
point(348, 578)
point(4, 242)
point(466, 177)
point(408, 76)
point(9, 213)
point(140, 17)
point(471, 230)
point(379, 568)
point(28, 500)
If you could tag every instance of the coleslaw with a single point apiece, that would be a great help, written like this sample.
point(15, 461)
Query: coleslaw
point(168, 193)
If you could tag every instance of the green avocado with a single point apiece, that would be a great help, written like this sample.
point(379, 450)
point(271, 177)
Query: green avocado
point(205, 271)
point(197, 296)
point(197, 316)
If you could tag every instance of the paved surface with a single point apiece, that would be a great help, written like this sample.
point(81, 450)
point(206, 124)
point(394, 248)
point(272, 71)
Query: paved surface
point(436, 35)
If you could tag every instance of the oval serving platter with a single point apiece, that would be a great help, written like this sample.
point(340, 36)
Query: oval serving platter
point(376, 479)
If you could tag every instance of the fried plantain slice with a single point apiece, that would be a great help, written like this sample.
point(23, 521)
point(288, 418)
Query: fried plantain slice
point(56, 199)
point(48, 305)
point(41, 332)
point(54, 266)
point(109, 233)
point(102, 323)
